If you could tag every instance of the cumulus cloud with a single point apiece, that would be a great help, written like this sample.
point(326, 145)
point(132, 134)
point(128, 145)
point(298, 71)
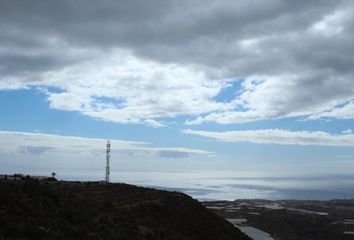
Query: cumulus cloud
point(140, 62)
point(131, 90)
point(279, 136)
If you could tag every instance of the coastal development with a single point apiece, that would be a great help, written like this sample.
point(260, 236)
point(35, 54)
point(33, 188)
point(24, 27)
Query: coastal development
point(289, 219)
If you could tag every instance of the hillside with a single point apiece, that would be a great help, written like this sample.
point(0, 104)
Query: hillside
point(32, 209)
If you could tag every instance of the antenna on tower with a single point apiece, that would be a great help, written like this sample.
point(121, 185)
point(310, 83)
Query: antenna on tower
point(108, 150)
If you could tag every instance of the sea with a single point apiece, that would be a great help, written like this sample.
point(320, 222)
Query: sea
point(223, 185)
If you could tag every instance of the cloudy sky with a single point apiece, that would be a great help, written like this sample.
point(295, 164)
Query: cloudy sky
point(264, 86)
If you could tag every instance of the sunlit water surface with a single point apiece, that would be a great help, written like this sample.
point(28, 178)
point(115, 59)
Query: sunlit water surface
point(224, 185)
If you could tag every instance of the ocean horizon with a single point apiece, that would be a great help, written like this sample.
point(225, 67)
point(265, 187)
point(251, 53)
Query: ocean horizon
point(221, 185)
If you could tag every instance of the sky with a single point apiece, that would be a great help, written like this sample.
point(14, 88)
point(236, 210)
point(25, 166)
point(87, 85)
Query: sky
point(260, 87)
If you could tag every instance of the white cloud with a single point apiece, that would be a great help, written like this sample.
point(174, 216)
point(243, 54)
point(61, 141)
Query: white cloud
point(309, 95)
point(348, 131)
point(132, 90)
point(153, 123)
point(331, 24)
point(38, 153)
point(342, 112)
point(279, 136)
point(40, 143)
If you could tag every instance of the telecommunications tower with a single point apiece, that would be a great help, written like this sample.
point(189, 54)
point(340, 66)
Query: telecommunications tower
point(108, 150)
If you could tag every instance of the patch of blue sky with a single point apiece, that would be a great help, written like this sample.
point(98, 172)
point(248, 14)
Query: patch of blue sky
point(28, 110)
point(333, 126)
point(230, 92)
point(277, 159)
point(22, 109)
point(117, 102)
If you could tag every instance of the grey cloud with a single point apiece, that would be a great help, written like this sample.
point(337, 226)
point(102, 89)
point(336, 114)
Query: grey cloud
point(204, 28)
point(308, 45)
point(33, 150)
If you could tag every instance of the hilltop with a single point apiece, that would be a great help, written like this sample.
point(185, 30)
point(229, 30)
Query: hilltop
point(33, 209)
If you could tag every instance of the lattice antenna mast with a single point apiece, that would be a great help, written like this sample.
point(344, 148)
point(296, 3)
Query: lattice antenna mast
point(108, 150)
